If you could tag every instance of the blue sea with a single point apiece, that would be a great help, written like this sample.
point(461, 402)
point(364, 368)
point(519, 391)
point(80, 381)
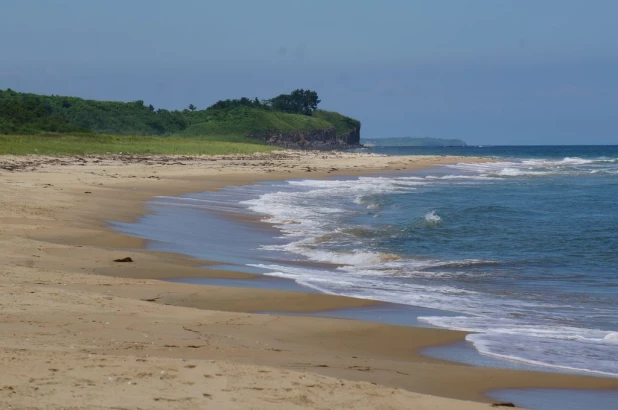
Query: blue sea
point(521, 251)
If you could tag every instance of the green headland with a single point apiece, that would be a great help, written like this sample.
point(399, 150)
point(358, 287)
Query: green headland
point(43, 124)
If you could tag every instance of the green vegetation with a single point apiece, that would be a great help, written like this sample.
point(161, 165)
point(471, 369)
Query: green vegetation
point(414, 142)
point(226, 120)
point(298, 102)
point(26, 113)
point(22, 113)
point(342, 124)
point(90, 144)
point(244, 120)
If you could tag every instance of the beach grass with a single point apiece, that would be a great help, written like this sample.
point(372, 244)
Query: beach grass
point(90, 144)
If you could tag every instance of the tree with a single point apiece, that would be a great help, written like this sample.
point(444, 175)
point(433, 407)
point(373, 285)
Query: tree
point(242, 102)
point(298, 102)
point(192, 107)
point(31, 114)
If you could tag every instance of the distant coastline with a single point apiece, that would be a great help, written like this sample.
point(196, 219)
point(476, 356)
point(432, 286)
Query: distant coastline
point(413, 142)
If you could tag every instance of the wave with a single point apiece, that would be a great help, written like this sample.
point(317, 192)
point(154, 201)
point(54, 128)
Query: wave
point(359, 232)
point(515, 172)
point(583, 161)
point(432, 217)
point(317, 217)
point(369, 201)
point(465, 263)
point(486, 177)
point(536, 167)
point(376, 276)
point(584, 350)
point(307, 249)
point(331, 224)
point(611, 337)
point(574, 356)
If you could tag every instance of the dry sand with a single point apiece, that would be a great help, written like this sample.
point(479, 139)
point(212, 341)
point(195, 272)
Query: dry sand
point(82, 331)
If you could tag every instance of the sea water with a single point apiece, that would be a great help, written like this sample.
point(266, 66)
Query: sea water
point(522, 251)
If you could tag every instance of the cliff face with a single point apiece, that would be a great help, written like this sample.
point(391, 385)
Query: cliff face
point(313, 139)
point(352, 137)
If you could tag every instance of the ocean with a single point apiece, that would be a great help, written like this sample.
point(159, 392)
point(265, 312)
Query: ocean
point(521, 251)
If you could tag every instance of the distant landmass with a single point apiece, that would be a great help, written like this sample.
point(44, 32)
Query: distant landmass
point(288, 120)
point(413, 142)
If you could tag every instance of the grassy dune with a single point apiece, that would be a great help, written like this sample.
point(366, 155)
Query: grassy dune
point(113, 144)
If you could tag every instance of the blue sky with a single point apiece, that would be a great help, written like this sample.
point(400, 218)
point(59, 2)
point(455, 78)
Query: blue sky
point(486, 71)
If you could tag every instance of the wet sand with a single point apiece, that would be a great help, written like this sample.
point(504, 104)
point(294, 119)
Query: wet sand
point(82, 330)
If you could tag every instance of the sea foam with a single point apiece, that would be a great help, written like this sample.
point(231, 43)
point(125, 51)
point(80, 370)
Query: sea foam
point(315, 218)
point(432, 217)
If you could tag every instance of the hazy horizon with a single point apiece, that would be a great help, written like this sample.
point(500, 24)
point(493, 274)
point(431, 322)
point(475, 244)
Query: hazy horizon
point(499, 73)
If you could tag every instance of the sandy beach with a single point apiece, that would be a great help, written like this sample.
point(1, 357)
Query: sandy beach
point(80, 330)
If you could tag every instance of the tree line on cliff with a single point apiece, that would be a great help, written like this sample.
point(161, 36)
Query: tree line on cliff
point(299, 101)
point(23, 113)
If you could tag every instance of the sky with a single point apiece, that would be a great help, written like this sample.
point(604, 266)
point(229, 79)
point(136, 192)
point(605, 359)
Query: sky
point(496, 72)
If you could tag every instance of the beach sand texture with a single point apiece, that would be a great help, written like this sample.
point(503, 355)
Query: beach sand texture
point(82, 331)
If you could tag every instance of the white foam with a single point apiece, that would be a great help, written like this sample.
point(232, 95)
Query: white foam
point(365, 201)
point(534, 167)
point(537, 340)
point(544, 343)
point(306, 208)
point(309, 209)
point(463, 177)
point(573, 355)
point(611, 337)
point(432, 217)
point(355, 258)
point(359, 200)
point(515, 172)
point(576, 161)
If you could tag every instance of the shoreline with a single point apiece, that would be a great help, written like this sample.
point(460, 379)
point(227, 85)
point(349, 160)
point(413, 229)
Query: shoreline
point(61, 244)
point(225, 206)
